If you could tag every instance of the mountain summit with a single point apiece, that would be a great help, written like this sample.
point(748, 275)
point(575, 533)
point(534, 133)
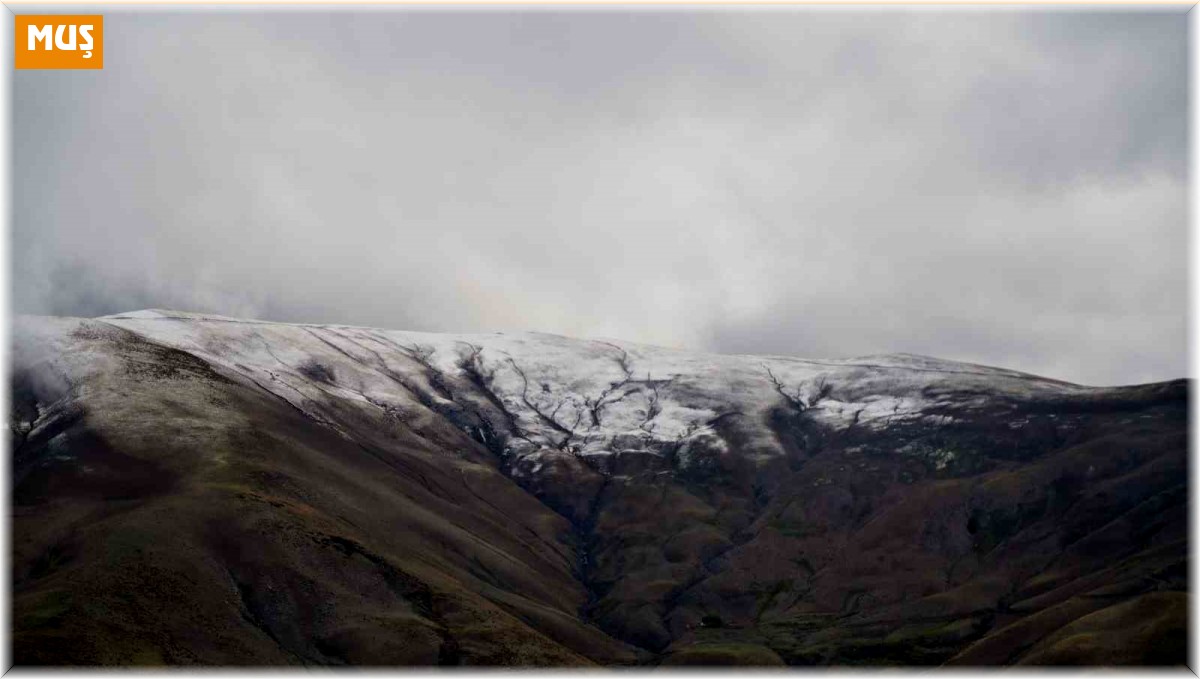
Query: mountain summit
point(195, 489)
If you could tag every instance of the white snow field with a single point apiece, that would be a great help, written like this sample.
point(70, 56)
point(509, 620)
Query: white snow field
point(583, 397)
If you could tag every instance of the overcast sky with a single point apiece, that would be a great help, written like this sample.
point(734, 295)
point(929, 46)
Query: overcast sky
point(1006, 188)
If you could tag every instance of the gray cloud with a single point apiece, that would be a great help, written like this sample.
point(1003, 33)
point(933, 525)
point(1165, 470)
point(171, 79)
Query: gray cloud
point(1003, 187)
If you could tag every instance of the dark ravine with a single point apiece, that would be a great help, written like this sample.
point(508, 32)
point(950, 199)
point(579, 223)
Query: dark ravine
point(199, 490)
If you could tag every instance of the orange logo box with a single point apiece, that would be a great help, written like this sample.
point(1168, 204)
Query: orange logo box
point(59, 41)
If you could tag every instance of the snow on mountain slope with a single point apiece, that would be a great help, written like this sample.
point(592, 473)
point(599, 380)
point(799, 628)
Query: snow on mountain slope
point(585, 397)
point(608, 496)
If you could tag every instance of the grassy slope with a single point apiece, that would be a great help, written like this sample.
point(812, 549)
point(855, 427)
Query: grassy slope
point(855, 552)
point(194, 520)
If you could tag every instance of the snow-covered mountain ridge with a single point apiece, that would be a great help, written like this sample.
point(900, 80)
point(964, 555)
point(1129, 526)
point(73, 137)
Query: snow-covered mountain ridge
point(588, 398)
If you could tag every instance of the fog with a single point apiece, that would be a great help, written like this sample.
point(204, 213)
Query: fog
point(1002, 187)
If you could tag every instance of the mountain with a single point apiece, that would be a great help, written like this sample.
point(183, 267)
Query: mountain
point(193, 489)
